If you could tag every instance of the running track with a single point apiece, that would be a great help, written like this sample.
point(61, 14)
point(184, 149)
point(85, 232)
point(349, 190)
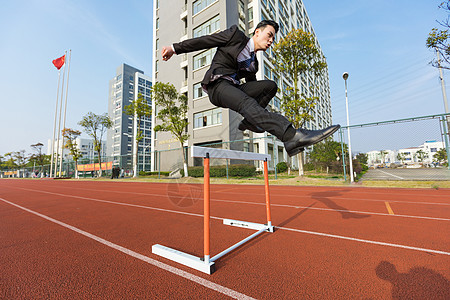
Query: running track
point(87, 239)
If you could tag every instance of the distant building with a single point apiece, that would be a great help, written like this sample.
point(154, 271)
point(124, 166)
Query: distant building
point(423, 154)
point(86, 147)
point(123, 89)
point(382, 157)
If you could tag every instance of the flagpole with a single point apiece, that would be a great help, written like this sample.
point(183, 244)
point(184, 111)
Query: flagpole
point(58, 150)
point(54, 126)
point(65, 109)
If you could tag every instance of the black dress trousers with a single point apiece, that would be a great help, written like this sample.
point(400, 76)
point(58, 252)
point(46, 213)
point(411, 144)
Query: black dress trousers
point(250, 100)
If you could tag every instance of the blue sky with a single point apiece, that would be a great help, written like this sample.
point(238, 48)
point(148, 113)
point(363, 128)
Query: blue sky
point(381, 44)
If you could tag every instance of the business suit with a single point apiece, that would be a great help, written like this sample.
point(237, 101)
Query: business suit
point(248, 99)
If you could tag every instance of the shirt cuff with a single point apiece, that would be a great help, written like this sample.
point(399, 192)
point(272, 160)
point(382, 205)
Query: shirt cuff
point(173, 49)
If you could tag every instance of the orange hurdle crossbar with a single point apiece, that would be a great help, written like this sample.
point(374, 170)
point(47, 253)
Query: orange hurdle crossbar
point(206, 264)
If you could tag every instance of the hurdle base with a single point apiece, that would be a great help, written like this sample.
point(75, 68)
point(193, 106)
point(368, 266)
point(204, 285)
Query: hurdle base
point(188, 260)
point(249, 225)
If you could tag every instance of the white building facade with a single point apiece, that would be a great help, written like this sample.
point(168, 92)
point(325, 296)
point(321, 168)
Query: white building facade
point(85, 146)
point(424, 154)
point(412, 156)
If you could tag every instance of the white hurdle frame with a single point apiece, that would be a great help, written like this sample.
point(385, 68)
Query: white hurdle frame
point(206, 264)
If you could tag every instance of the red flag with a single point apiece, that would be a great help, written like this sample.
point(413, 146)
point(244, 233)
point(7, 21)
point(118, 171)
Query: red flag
point(59, 62)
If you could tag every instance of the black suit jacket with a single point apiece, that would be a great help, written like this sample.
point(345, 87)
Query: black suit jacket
point(229, 44)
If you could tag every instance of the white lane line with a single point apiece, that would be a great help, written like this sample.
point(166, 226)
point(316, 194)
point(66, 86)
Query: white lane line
point(206, 283)
point(283, 228)
point(391, 174)
point(368, 241)
point(243, 202)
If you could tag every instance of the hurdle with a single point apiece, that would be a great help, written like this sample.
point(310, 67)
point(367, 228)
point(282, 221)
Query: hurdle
point(206, 264)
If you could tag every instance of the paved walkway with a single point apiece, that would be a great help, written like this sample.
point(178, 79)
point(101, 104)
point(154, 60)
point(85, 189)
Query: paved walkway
point(407, 174)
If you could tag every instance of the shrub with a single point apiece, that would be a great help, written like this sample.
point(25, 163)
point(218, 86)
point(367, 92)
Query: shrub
point(282, 167)
point(221, 171)
point(143, 173)
point(308, 167)
point(242, 170)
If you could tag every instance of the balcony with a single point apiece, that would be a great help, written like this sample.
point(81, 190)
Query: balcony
point(184, 61)
point(184, 12)
point(184, 87)
point(184, 35)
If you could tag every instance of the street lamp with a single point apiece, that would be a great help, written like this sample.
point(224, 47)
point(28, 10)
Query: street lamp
point(345, 76)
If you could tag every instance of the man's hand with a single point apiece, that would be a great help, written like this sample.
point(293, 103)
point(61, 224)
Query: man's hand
point(167, 53)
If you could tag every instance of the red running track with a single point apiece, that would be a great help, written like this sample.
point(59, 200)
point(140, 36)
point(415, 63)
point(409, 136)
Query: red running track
point(87, 239)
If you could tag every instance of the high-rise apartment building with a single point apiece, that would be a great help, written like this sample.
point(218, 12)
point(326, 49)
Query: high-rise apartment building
point(177, 20)
point(125, 87)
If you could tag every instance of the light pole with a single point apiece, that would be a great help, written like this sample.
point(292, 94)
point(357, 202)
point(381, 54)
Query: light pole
point(345, 76)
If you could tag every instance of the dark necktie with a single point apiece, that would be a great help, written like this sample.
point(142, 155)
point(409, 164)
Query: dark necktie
point(246, 63)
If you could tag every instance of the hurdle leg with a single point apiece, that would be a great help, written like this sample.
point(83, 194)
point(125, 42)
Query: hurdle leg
point(206, 207)
point(266, 184)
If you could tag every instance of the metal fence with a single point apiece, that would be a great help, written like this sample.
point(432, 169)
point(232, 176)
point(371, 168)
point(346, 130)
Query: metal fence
point(404, 149)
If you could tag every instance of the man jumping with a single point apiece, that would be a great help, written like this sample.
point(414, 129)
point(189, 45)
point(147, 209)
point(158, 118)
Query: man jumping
point(234, 60)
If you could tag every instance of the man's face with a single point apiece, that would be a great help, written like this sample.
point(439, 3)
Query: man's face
point(264, 37)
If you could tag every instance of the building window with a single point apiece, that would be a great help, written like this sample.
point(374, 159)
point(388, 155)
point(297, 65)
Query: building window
point(241, 10)
point(208, 27)
point(267, 72)
point(198, 91)
point(201, 4)
point(208, 118)
point(204, 58)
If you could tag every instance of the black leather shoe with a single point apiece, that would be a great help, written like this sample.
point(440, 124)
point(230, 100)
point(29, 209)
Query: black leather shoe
point(304, 138)
point(244, 125)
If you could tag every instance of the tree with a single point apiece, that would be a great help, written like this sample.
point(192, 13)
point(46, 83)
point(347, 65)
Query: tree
point(383, 156)
point(440, 156)
point(10, 162)
point(95, 126)
point(20, 158)
point(71, 136)
point(439, 39)
point(363, 158)
point(401, 157)
point(326, 153)
point(138, 108)
point(40, 158)
point(421, 155)
point(172, 111)
point(297, 56)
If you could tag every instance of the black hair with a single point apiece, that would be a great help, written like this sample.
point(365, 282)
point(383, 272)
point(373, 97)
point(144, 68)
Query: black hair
point(264, 23)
